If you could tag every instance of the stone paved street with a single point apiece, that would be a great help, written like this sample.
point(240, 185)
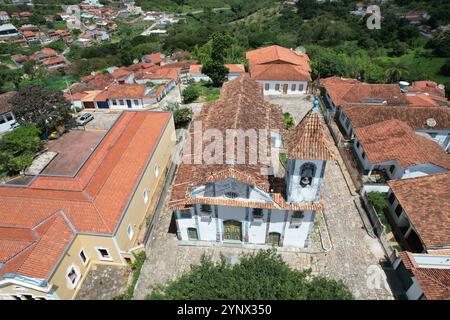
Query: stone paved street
point(354, 256)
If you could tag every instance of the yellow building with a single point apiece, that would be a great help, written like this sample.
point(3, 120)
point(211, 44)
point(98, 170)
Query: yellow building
point(54, 229)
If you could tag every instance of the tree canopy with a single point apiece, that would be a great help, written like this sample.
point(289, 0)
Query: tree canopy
point(257, 276)
point(45, 108)
point(17, 149)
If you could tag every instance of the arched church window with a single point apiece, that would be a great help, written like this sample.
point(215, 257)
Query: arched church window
point(307, 172)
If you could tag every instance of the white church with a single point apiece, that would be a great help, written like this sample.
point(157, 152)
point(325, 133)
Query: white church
point(240, 203)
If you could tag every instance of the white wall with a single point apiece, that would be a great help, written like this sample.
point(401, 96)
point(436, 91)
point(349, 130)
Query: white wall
point(415, 291)
point(197, 77)
point(253, 231)
point(272, 87)
point(309, 193)
point(4, 127)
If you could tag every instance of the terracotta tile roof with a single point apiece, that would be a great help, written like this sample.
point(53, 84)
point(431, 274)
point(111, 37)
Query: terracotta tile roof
point(351, 91)
point(395, 140)
point(155, 57)
point(122, 91)
point(425, 201)
point(38, 256)
point(421, 100)
point(434, 282)
point(278, 63)
point(92, 200)
point(309, 140)
point(5, 105)
point(43, 54)
point(55, 60)
point(195, 68)
point(279, 72)
point(427, 86)
point(416, 118)
point(121, 73)
point(241, 106)
point(159, 73)
point(18, 58)
point(235, 68)
point(276, 53)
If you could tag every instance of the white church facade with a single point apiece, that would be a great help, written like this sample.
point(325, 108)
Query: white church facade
point(236, 203)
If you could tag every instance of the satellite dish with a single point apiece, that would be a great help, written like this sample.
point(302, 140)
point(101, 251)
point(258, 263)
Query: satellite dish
point(300, 50)
point(431, 122)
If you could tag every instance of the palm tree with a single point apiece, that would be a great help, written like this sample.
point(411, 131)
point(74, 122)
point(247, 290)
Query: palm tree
point(396, 71)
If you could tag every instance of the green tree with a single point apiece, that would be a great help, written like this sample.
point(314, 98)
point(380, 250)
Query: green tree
point(190, 93)
point(257, 276)
point(181, 116)
point(396, 71)
point(43, 107)
point(17, 149)
point(216, 71)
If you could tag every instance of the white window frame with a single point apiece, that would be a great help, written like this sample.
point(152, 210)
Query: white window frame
point(267, 86)
point(156, 170)
point(100, 255)
point(130, 234)
point(145, 196)
point(87, 257)
point(70, 284)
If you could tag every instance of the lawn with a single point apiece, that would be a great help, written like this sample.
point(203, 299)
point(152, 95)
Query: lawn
point(208, 93)
point(59, 83)
point(421, 61)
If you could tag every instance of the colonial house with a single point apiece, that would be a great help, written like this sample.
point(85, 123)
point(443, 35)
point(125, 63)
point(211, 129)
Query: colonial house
point(420, 213)
point(56, 228)
point(282, 71)
point(432, 123)
point(6, 116)
point(43, 54)
point(343, 91)
point(394, 148)
point(7, 30)
point(19, 59)
point(54, 63)
point(4, 17)
point(234, 71)
point(158, 75)
point(424, 276)
point(252, 202)
point(128, 96)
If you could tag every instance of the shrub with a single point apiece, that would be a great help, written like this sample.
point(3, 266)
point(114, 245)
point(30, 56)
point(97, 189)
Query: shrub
point(18, 148)
point(190, 94)
point(288, 120)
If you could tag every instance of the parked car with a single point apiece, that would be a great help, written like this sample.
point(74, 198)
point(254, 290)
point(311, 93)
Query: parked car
point(85, 118)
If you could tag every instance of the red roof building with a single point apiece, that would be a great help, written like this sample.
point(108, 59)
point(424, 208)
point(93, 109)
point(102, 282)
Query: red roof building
point(85, 213)
point(282, 70)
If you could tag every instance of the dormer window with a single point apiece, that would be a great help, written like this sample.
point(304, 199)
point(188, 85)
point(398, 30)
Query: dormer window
point(307, 172)
point(231, 195)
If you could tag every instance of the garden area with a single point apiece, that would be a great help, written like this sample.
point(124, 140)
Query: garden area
point(202, 91)
point(263, 275)
point(378, 200)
